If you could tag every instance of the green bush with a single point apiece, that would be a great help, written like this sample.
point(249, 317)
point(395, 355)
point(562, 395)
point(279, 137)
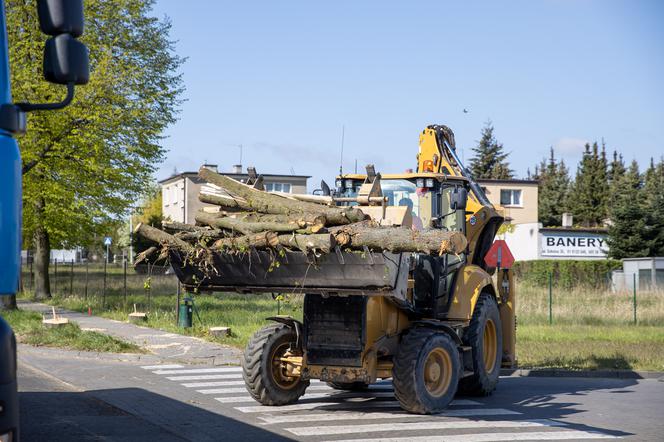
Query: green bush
point(566, 273)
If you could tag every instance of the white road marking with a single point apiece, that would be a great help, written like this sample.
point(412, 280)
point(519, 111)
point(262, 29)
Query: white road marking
point(205, 377)
point(200, 370)
point(233, 390)
point(163, 367)
point(314, 405)
point(361, 415)
point(213, 384)
point(333, 394)
point(419, 426)
point(495, 437)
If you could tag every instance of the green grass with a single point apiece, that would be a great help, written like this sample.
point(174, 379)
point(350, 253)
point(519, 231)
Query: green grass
point(591, 329)
point(29, 329)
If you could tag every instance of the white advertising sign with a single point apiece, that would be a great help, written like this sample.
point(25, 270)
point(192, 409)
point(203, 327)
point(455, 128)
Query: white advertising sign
point(573, 244)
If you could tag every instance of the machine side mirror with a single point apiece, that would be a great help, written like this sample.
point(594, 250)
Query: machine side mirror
point(61, 17)
point(66, 60)
point(458, 198)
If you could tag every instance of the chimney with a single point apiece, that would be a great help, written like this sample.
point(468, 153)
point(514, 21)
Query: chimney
point(567, 219)
point(212, 167)
point(237, 168)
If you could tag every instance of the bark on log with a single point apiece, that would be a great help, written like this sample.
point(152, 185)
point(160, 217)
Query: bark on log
point(323, 242)
point(259, 240)
point(145, 255)
point(318, 199)
point(316, 222)
point(399, 239)
point(201, 234)
point(160, 237)
point(230, 203)
point(265, 202)
point(247, 227)
point(182, 227)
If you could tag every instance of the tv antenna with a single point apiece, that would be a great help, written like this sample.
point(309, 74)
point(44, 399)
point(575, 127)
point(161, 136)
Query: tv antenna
point(341, 161)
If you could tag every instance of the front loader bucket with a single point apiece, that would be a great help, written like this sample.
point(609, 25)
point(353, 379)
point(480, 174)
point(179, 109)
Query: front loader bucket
point(296, 272)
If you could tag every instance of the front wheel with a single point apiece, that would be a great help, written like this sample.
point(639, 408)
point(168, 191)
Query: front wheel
point(264, 375)
point(484, 335)
point(426, 371)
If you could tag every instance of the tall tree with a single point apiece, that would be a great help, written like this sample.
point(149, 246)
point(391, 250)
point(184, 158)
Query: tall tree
point(653, 195)
point(553, 191)
point(616, 172)
point(628, 224)
point(589, 196)
point(85, 164)
point(490, 160)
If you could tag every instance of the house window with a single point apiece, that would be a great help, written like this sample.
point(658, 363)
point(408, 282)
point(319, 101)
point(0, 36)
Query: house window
point(278, 187)
point(510, 197)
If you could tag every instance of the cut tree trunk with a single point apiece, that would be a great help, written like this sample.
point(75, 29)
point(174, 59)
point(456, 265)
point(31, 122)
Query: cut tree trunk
point(323, 242)
point(160, 237)
point(145, 255)
point(41, 262)
point(246, 227)
point(265, 202)
point(302, 220)
point(201, 234)
point(399, 239)
point(261, 240)
point(230, 203)
point(176, 226)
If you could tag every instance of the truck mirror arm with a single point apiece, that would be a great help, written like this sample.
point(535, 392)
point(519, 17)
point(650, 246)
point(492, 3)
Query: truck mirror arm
point(29, 107)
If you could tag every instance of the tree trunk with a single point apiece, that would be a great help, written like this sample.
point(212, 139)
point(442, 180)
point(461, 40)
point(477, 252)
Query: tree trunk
point(226, 202)
point(42, 259)
point(261, 240)
point(156, 235)
point(399, 239)
point(265, 202)
point(247, 227)
point(323, 242)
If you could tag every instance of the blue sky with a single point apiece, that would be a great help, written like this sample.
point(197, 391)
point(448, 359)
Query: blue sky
point(282, 78)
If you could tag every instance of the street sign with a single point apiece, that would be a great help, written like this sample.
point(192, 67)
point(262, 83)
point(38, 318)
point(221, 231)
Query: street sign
point(107, 240)
point(499, 255)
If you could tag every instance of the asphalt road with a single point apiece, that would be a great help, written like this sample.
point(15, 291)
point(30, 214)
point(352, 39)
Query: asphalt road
point(64, 397)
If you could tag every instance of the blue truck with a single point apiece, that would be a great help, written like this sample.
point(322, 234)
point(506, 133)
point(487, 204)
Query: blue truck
point(65, 63)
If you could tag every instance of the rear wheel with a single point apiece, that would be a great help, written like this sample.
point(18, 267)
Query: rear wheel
point(484, 335)
point(349, 386)
point(264, 374)
point(426, 371)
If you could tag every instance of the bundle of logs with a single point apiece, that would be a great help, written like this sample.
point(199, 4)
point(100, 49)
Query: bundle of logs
point(245, 217)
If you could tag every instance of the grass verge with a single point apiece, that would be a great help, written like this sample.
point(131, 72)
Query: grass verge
point(29, 329)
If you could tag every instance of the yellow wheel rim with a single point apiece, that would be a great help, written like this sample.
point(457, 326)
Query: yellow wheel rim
point(437, 372)
point(279, 375)
point(489, 346)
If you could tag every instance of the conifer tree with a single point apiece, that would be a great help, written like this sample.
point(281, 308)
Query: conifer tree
point(653, 195)
point(589, 197)
point(616, 172)
point(490, 160)
point(628, 224)
point(553, 191)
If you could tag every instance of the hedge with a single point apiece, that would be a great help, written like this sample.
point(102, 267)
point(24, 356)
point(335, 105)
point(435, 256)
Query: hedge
point(566, 273)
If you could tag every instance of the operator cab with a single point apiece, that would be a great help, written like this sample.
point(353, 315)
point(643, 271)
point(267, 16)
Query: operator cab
point(429, 202)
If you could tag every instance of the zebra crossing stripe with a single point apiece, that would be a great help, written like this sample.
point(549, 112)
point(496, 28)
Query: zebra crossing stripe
point(495, 437)
point(158, 367)
point(420, 426)
point(212, 384)
point(234, 390)
point(200, 370)
point(330, 405)
point(361, 415)
point(205, 377)
point(330, 394)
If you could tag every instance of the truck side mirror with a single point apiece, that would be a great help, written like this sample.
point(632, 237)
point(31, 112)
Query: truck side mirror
point(66, 60)
point(458, 198)
point(61, 17)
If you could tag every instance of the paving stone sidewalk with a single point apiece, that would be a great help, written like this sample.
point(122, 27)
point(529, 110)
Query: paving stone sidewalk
point(165, 345)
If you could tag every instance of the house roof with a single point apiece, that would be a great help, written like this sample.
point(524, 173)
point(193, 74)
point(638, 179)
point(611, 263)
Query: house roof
point(231, 175)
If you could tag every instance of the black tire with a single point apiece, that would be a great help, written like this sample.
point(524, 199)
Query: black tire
point(264, 384)
point(485, 378)
point(349, 386)
point(411, 387)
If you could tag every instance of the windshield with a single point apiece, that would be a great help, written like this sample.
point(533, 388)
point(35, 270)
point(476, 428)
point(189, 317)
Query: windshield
point(425, 204)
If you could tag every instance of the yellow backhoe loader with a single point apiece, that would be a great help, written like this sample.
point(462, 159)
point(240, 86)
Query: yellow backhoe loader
point(436, 325)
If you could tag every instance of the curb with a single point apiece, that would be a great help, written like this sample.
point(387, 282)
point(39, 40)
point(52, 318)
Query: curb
point(560, 373)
